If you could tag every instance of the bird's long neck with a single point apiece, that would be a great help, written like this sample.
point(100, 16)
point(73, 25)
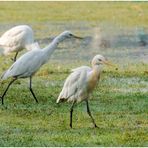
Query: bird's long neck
point(52, 46)
point(97, 69)
point(94, 77)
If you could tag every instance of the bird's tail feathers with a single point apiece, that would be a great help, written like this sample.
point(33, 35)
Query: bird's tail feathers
point(58, 100)
point(4, 76)
point(61, 98)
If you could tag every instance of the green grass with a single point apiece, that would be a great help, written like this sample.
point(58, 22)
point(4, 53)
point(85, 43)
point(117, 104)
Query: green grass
point(121, 13)
point(118, 106)
point(119, 103)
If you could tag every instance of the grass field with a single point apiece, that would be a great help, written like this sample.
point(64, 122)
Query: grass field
point(119, 104)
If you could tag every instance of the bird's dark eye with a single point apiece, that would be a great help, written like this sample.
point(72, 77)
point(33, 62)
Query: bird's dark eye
point(100, 60)
point(70, 34)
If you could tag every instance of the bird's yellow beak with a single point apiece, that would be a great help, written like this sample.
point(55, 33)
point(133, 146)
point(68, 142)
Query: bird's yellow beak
point(77, 37)
point(109, 63)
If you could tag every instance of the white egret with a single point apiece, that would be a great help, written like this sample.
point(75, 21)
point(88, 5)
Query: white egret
point(80, 83)
point(16, 39)
point(29, 63)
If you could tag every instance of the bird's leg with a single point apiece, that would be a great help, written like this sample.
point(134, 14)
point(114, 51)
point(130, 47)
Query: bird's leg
point(71, 111)
point(89, 113)
point(14, 59)
point(2, 97)
point(30, 87)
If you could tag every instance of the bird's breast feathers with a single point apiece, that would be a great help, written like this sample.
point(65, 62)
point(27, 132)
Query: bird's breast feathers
point(92, 81)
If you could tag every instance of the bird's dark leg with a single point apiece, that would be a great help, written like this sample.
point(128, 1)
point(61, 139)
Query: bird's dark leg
point(14, 59)
point(89, 113)
point(30, 87)
point(71, 111)
point(2, 97)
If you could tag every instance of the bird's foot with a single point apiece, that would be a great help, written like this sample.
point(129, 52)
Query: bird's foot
point(13, 60)
point(2, 100)
point(95, 126)
point(70, 125)
point(37, 101)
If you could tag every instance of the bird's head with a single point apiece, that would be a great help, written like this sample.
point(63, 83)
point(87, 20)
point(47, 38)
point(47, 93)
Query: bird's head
point(100, 60)
point(67, 34)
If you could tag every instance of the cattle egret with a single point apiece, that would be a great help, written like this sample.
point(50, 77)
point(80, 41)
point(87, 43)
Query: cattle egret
point(80, 83)
point(16, 39)
point(29, 63)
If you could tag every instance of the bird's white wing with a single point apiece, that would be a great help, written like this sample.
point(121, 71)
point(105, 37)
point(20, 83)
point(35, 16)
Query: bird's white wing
point(11, 38)
point(11, 42)
point(75, 85)
point(16, 38)
point(25, 66)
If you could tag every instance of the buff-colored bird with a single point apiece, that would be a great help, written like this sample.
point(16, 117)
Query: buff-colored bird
point(80, 83)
